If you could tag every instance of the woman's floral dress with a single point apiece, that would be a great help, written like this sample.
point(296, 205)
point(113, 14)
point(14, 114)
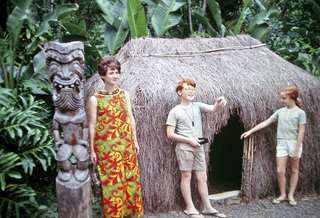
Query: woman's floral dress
point(117, 158)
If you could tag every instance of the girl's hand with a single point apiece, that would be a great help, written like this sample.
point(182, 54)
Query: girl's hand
point(93, 157)
point(295, 154)
point(245, 134)
point(194, 142)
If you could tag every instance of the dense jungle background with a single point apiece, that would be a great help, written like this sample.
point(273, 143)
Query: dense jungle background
point(291, 28)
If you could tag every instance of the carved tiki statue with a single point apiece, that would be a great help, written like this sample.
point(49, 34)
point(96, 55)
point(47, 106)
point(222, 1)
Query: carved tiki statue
point(65, 63)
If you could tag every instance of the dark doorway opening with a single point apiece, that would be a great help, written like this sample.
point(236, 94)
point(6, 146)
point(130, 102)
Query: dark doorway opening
point(225, 167)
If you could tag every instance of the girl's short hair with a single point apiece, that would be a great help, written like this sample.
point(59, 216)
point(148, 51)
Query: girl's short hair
point(187, 81)
point(292, 93)
point(108, 62)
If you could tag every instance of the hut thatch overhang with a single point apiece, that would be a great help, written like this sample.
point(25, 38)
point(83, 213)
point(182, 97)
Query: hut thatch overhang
point(240, 68)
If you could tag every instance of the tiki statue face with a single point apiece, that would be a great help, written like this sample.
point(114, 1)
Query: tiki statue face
point(65, 63)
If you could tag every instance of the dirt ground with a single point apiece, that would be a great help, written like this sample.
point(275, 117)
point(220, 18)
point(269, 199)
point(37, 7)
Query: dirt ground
point(308, 206)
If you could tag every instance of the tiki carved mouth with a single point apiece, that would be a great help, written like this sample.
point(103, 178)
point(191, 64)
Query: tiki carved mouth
point(67, 94)
point(67, 85)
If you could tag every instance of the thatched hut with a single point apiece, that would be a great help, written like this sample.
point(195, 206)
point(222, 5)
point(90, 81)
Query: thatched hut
point(250, 76)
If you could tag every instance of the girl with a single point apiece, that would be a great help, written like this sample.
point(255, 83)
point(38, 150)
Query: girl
point(113, 144)
point(290, 132)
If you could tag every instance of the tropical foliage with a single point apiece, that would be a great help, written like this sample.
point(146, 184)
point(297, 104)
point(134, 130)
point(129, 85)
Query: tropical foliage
point(289, 27)
point(296, 34)
point(25, 144)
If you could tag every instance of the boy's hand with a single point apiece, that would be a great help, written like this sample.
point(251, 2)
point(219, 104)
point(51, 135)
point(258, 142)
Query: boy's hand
point(194, 142)
point(221, 101)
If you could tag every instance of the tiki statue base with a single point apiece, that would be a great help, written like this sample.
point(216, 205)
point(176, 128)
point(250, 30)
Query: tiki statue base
point(74, 200)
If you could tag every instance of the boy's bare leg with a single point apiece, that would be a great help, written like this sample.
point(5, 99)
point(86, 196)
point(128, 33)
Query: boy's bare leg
point(281, 176)
point(186, 191)
point(203, 191)
point(294, 176)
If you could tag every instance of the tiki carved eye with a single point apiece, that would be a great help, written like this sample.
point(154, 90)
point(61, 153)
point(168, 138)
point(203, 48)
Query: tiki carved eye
point(76, 67)
point(54, 68)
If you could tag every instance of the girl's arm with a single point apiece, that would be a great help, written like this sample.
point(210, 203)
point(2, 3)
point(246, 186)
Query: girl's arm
point(132, 122)
point(302, 129)
point(221, 101)
point(92, 126)
point(179, 138)
point(257, 128)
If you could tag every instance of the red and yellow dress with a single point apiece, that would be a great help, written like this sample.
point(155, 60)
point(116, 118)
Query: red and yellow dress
point(117, 158)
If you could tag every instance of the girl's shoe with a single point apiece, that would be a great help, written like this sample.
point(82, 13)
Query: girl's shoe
point(292, 202)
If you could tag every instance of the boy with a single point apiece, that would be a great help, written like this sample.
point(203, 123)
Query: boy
point(184, 126)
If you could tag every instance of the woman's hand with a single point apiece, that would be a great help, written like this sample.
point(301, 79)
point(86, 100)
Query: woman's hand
point(136, 146)
point(93, 157)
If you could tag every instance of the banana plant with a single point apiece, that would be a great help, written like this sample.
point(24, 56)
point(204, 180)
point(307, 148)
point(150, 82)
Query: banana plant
point(12, 71)
point(117, 25)
point(55, 16)
point(244, 12)
point(258, 25)
point(136, 18)
point(203, 19)
point(14, 25)
point(199, 14)
point(165, 17)
point(216, 12)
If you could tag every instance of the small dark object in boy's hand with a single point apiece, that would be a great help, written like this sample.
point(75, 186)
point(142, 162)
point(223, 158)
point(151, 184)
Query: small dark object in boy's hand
point(203, 140)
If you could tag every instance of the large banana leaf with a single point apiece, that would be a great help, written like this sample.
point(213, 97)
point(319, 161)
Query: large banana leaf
point(164, 18)
point(261, 32)
point(204, 21)
point(15, 20)
point(57, 14)
point(244, 12)
point(216, 12)
point(106, 6)
point(116, 32)
point(137, 18)
point(261, 18)
point(75, 29)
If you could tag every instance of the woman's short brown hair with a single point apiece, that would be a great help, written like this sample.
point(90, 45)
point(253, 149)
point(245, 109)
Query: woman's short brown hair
point(108, 62)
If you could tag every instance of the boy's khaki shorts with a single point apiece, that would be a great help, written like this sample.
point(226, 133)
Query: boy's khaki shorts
point(191, 159)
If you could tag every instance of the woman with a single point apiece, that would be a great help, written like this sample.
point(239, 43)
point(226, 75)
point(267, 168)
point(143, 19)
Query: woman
point(113, 144)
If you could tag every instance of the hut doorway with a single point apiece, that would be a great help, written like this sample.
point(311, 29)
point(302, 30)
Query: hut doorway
point(225, 166)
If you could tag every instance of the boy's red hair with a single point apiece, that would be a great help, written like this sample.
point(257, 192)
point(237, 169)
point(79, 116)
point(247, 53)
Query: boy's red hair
point(186, 81)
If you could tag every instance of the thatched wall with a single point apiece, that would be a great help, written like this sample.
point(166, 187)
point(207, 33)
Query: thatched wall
point(242, 69)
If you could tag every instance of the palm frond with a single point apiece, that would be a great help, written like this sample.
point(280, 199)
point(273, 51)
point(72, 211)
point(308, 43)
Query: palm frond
point(15, 198)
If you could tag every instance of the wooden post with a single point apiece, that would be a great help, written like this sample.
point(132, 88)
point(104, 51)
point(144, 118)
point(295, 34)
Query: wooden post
point(74, 201)
point(247, 166)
